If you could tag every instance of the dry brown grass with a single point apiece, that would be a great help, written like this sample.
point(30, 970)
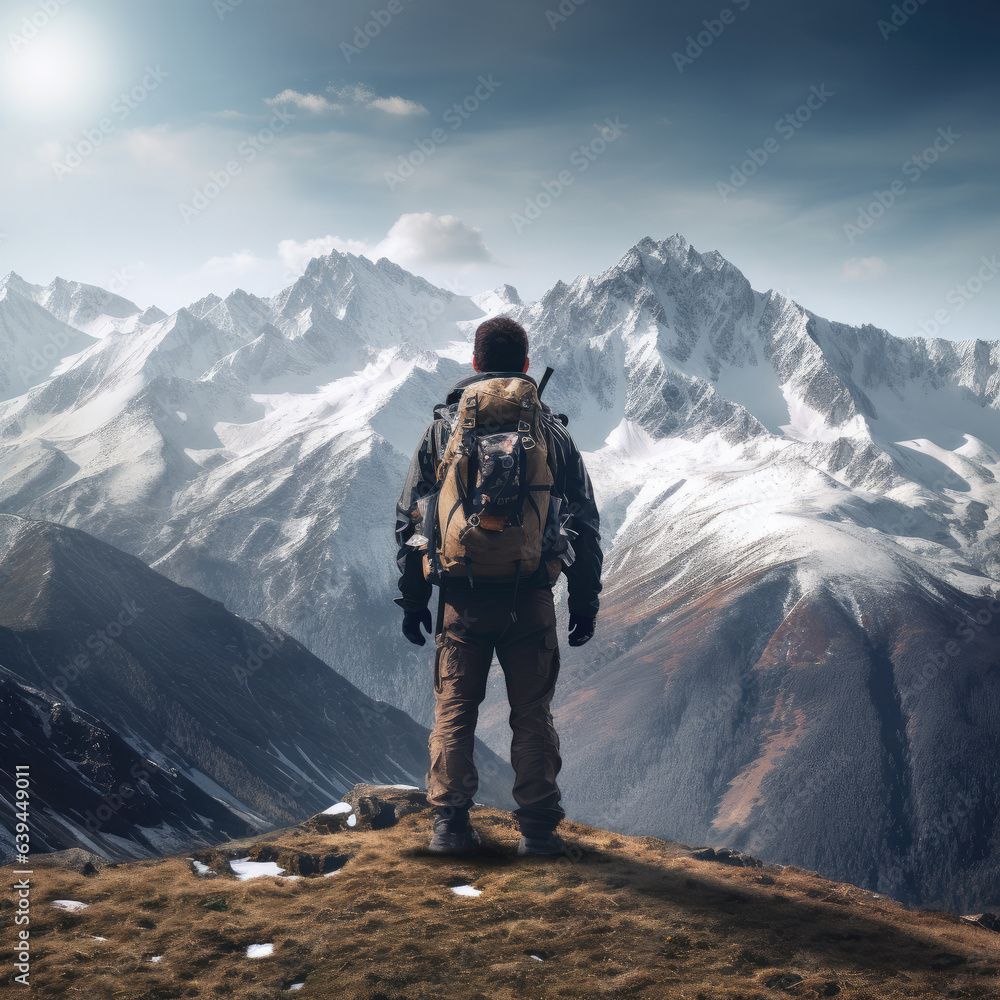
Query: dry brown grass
point(634, 917)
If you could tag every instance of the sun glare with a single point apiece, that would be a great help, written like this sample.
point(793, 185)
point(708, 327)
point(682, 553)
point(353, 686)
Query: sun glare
point(47, 71)
point(56, 71)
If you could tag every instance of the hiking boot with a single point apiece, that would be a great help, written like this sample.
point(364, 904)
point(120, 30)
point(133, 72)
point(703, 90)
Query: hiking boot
point(454, 835)
point(541, 844)
point(455, 842)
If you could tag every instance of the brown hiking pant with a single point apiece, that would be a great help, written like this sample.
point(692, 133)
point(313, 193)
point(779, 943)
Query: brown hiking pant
point(475, 624)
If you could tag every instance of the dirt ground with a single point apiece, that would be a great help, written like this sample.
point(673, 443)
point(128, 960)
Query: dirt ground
point(615, 917)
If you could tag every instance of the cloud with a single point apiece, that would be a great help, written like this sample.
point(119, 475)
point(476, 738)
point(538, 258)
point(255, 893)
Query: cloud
point(355, 96)
point(365, 98)
point(415, 239)
point(864, 268)
point(228, 114)
point(313, 103)
point(241, 262)
point(398, 106)
point(423, 238)
point(156, 145)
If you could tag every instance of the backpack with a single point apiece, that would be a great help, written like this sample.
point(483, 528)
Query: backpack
point(493, 507)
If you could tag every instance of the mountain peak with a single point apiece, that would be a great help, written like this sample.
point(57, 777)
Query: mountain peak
point(16, 283)
point(151, 315)
point(204, 305)
point(611, 915)
point(498, 300)
point(675, 244)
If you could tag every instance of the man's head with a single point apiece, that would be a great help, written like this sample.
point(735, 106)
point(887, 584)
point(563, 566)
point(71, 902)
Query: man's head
point(501, 346)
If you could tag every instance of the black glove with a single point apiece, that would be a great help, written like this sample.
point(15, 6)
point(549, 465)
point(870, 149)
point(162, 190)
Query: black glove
point(581, 629)
point(412, 620)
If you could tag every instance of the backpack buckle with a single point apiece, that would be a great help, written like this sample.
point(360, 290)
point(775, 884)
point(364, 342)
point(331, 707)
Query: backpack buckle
point(471, 405)
point(527, 443)
point(523, 426)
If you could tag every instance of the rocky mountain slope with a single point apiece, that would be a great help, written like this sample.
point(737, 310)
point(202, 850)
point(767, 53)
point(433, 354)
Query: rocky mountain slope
point(798, 645)
point(364, 912)
point(151, 718)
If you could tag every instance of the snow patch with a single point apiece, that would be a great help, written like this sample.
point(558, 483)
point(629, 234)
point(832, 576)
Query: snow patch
point(337, 808)
point(245, 868)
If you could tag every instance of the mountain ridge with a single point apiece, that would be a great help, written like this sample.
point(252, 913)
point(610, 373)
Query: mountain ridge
point(746, 452)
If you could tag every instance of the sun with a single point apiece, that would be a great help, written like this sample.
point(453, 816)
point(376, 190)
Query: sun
point(59, 70)
point(47, 72)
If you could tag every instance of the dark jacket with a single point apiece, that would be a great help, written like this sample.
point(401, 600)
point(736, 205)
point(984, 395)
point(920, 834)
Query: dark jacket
point(571, 482)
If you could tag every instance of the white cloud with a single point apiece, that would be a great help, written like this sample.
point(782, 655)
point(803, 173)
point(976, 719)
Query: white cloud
point(355, 96)
point(316, 104)
point(366, 99)
point(398, 106)
point(423, 238)
point(415, 239)
point(162, 148)
point(242, 262)
point(864, 268)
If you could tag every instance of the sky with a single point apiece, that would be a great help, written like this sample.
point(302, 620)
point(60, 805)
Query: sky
point(843, 154)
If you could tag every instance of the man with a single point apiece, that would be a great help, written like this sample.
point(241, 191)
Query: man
point(516, 618)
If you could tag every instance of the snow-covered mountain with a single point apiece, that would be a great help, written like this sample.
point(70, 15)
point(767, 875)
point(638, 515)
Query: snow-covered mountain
point(773, 485)
point(151, 718)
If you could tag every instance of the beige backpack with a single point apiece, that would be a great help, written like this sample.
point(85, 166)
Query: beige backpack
point(488, 516)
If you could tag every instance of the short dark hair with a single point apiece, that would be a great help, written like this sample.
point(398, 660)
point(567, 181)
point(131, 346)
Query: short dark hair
point(501, 345)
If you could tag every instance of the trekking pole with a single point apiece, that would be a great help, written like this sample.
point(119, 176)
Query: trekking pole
point(544, 382)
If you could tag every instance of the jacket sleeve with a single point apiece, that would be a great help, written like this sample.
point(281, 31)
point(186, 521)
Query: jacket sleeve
point(420, 480)
point(584, 575)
